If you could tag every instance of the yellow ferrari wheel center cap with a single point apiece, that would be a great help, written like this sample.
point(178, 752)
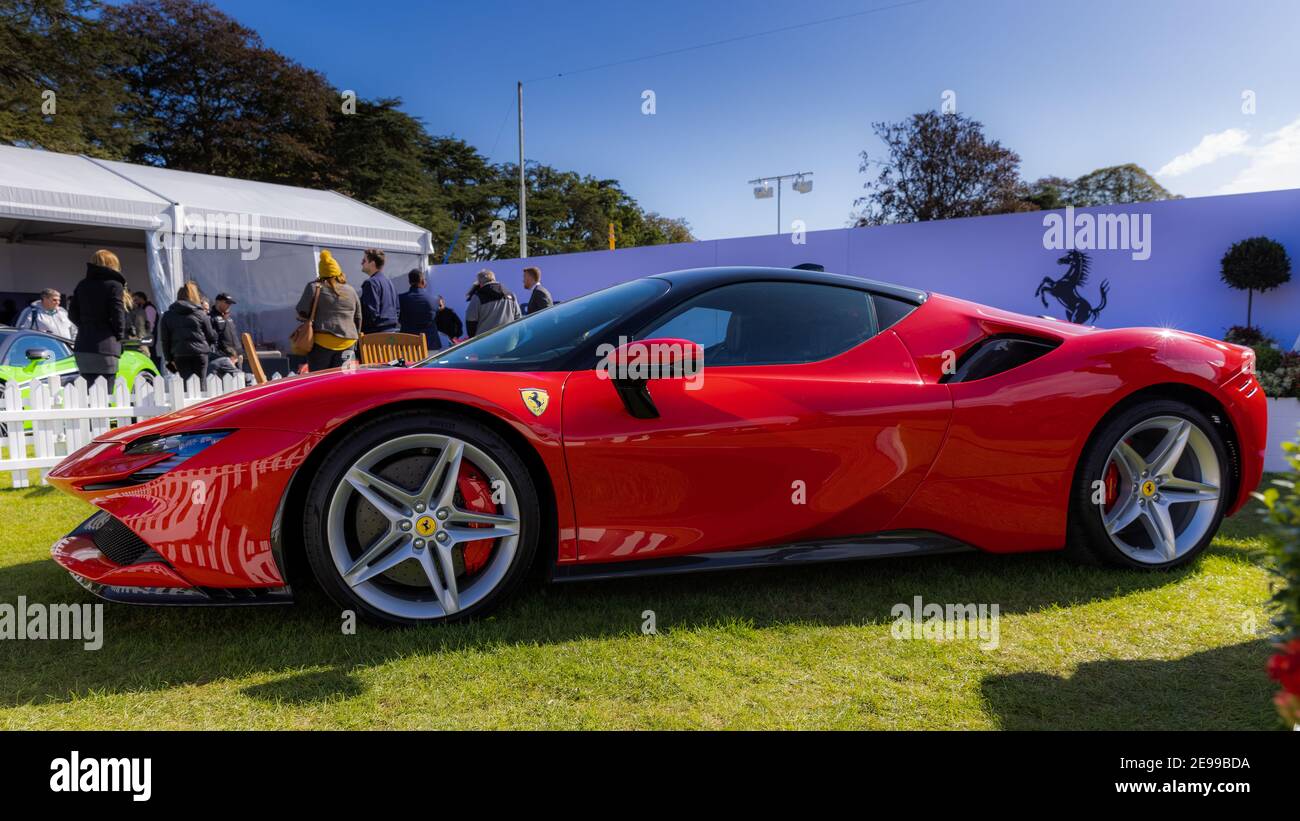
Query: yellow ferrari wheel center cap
point(425, 525)
point(1148, 488)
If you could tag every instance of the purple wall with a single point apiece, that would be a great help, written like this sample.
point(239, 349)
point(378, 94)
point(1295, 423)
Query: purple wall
point(998, 260)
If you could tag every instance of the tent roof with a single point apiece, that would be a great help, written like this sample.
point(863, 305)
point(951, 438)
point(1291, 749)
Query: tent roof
point(64, 187)
point(42, 185)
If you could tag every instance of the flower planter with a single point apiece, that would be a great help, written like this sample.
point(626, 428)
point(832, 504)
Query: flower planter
point(1283, 421)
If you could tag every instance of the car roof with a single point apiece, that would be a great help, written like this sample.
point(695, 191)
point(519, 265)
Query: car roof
point(705, 278)
point(7, 331)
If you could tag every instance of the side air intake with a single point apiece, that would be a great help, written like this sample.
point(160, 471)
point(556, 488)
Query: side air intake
point(998, 354)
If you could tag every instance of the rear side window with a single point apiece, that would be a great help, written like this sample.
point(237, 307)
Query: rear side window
point(889, 310)
point(770, 323)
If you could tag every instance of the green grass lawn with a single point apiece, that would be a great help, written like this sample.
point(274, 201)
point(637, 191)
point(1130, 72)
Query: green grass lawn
point(806, 647)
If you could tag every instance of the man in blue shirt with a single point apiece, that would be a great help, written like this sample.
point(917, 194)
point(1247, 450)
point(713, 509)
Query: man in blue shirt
point(415, 310)
point(378, 296)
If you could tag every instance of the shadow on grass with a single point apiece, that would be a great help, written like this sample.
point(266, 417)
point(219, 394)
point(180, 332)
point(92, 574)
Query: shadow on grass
point(159, 648)
point(308, 688)
point(1220, 689)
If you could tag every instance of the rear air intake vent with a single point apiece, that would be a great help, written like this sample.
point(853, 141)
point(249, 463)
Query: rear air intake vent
point(998, 354)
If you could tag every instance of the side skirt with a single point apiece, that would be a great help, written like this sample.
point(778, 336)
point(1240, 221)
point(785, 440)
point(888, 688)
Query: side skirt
point(874, 546)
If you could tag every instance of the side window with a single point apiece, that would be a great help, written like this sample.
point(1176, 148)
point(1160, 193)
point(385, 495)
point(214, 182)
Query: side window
point(18, 350)
point(770, 323)
point(701, 324)
point(889, 310)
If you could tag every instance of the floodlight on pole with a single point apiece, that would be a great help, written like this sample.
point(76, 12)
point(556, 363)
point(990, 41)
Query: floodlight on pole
point(764, 186)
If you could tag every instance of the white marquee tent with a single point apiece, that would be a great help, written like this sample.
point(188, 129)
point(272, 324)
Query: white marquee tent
point(255, 240)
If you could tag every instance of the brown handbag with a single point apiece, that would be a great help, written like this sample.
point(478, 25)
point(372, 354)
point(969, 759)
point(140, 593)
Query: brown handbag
point(303, 337)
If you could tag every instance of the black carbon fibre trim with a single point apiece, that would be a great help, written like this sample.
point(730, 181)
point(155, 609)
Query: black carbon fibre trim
point(187, 596)
point(873, 546)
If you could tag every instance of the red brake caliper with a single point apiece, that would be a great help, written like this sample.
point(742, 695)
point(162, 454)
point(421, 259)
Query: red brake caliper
point(476, 496)
point(1111, 481)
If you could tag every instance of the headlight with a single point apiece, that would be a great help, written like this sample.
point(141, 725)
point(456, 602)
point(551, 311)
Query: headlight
point(178, 447)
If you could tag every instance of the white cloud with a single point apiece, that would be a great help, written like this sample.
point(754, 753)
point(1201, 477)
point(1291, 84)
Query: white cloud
point(1211, 148)
point(1273, 165)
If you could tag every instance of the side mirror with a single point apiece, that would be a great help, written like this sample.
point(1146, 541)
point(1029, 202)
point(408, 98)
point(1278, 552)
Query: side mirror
point(630, 367)
point(38, 355)
point(661, 358)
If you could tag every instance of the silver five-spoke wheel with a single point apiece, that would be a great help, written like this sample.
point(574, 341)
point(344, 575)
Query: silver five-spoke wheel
point(1162, 483)
point(398, 528)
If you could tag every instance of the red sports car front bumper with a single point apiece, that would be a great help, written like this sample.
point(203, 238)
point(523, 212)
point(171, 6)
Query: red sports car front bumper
point(205, 532)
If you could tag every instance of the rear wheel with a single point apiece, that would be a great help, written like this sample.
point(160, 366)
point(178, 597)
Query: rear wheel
point(420, 517)
point(1152, 488)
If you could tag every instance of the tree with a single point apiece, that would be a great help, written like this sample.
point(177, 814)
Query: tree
point(1048, 193)
point(469, 196)
point(210, 97)
point(58, 89)
point(661, 230)
point(1116, 185)
point(180, 84)
point(568, 212)
point(938, 166)
point(1255, 264)
point(377, 156)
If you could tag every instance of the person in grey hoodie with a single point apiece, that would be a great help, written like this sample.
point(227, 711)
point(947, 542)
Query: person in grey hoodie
point(45, 314)
point(491, 305)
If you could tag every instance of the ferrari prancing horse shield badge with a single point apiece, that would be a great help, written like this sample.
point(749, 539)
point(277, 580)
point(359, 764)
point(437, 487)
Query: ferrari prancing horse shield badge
point(535, 399)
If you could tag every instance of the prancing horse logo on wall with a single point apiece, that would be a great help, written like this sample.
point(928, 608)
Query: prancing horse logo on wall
point(1066, 289)
point(535, 399)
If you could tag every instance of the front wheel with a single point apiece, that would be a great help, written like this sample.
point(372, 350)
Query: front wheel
point(421, 517)
point(1152, 488)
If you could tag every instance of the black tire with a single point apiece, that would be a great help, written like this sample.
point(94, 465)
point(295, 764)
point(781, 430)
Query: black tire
point(385, 429)
point(1087, 541)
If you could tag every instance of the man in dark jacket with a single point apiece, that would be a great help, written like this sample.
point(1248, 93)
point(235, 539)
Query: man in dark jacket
point(226, 357)
point(540, 299)
point(99, 312)
point(186, 337)
point(415, 310)
point(378, 296)
point(448, 322)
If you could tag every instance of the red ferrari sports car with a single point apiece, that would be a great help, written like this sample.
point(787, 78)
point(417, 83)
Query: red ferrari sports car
point(833, 418)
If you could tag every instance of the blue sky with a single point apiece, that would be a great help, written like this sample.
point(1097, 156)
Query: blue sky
point(1071, 87)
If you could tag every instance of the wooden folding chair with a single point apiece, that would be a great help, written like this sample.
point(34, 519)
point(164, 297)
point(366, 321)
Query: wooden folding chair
point(384, 347)
point(254, 364)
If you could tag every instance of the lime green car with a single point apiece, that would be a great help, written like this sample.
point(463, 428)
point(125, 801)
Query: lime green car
point(28, 355)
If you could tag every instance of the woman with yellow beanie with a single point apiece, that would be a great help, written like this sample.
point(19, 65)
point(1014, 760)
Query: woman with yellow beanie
point(335, 313)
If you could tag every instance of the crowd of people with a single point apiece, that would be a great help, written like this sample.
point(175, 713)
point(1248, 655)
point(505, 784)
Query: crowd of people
point(193, 337)
point(339, 316)
point(198, 337)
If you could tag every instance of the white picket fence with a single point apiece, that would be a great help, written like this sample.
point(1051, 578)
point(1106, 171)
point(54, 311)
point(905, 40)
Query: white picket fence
point(54, 420)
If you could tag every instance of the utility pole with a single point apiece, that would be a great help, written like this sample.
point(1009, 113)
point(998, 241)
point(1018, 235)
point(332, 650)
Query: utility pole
point(523, 191)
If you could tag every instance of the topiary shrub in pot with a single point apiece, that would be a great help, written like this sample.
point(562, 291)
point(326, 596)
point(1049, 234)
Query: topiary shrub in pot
point(1255, 264)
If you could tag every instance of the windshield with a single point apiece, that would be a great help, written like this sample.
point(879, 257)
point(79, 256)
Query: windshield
point(553, 333)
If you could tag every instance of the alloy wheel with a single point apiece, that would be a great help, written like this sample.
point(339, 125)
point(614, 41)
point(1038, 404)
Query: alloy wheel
point(1163, 481)
point(399, 528)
